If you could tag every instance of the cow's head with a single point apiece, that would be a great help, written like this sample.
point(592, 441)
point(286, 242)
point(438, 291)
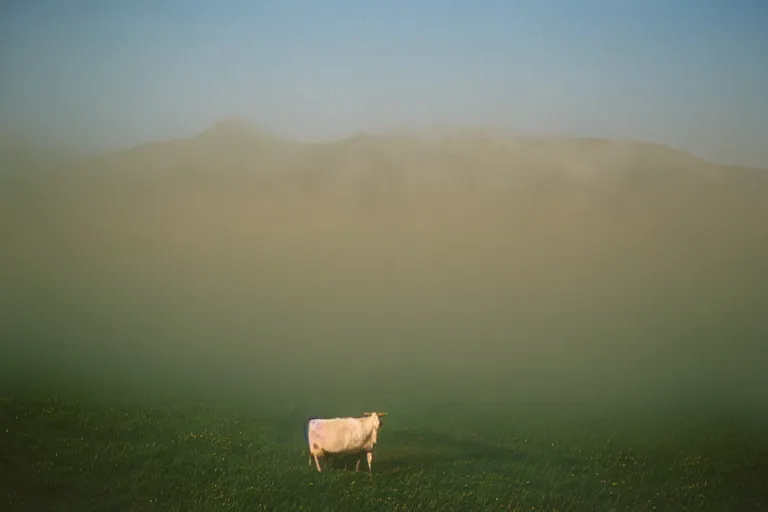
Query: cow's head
point(377, 421)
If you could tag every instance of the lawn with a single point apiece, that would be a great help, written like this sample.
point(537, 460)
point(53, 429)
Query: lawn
point(73, 450)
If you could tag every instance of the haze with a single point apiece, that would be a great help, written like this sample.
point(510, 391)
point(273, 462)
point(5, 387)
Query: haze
point(389, 258)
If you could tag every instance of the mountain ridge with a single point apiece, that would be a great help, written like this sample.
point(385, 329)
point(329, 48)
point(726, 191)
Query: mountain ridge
point(236, 144)
point(237, 131)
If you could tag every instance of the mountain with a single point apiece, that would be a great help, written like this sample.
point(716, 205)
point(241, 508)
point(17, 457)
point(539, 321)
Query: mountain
point(236, 163)
point(233, 144)
point(472, 167)
point(565, 262)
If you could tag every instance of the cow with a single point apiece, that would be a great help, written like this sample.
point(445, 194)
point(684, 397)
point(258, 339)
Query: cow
point(343, 436)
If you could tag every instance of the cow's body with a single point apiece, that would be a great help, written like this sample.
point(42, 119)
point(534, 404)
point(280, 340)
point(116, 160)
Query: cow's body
point(343, 435)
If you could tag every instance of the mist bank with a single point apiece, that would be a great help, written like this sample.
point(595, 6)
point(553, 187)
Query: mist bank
point(384, 268)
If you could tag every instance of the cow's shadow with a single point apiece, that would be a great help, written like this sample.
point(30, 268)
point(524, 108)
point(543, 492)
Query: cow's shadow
point(343, 461)
point(425, 450)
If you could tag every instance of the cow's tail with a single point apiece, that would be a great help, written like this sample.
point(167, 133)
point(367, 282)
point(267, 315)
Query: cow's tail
point(306, 437)
point(306, 429)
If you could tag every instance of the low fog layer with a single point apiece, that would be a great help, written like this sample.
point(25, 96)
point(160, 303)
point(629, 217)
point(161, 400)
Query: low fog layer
point(457, 266)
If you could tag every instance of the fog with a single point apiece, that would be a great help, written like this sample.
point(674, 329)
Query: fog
point(468, 266)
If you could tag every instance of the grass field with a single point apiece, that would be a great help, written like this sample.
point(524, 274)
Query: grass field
point(76, 450)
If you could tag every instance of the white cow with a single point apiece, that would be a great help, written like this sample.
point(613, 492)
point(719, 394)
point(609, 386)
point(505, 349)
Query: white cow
point(343, 435)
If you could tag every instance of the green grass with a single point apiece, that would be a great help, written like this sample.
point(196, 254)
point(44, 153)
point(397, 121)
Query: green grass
point(69, 450)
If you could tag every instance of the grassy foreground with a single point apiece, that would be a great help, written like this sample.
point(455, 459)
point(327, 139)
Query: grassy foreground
point(66, 451)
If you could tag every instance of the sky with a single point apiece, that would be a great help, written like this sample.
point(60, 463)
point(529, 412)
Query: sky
point(106, 74)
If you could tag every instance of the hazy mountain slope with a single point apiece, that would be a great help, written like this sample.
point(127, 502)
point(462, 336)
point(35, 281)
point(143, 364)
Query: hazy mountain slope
point(229, 146)
point(536, 268)
point(234, 144)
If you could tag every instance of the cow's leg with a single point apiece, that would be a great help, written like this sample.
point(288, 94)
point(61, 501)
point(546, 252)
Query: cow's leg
point(369, 456)
point(317, 463)
point(357, 466)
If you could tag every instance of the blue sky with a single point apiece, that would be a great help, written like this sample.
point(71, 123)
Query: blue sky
point(109, 74)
